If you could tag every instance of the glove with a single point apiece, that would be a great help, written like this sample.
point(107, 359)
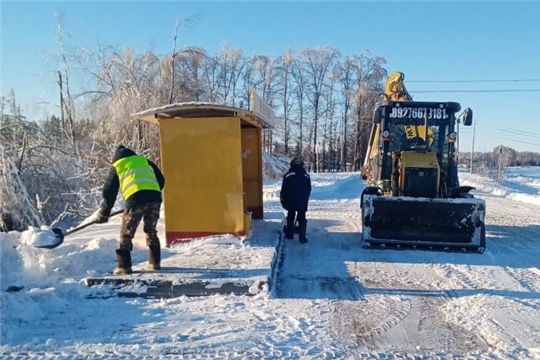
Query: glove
point(101, 219)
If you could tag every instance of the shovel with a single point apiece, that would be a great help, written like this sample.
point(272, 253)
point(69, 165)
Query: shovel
point(60, 235)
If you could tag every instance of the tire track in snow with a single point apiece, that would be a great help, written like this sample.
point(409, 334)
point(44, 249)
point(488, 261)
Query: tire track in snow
point(387, 314)
point(482, 289)
point(482, 305)
point(528, 278)
point(361, 322)
point(436, 331)
point(421, 317)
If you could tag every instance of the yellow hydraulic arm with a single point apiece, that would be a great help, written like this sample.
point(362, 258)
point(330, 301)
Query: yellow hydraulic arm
point(394, 91)
point(395, 88)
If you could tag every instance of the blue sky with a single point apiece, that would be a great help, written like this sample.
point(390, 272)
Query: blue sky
point(428, 41)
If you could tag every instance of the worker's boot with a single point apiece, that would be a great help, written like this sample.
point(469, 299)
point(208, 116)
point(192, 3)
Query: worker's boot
point(154, 260)
point(124, 262)
point(302, 229)
point(289, 229)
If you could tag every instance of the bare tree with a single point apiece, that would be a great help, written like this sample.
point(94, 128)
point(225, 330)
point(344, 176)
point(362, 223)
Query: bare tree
point(173, 56)
point(232, 65)
point(299, 77)
point(368, 91)
point(66, 102)
point(328, 121)
point(284, 78)
point(317, 63)
point(191, 66)
point(262, 68)
point(212, 74)
point(348, 73)
point(128, 83)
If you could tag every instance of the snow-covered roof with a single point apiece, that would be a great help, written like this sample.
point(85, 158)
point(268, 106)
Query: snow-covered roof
point(196, 109)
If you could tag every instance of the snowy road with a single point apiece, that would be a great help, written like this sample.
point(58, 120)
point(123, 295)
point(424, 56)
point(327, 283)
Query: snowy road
point(423, 301)
point(331, 299)
point(317, 270)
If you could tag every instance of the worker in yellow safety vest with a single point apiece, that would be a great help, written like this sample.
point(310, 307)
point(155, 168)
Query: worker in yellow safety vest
point(140, 182)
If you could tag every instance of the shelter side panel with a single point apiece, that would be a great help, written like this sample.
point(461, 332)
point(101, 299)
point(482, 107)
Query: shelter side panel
point(252, 170)
point(203, 170)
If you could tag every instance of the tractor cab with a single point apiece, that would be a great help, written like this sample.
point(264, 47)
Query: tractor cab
point(416, 147)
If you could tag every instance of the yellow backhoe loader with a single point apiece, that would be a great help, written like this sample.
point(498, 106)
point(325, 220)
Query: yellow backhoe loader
point(412, 197)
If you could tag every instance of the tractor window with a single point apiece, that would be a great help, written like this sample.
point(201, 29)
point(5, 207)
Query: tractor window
point(409, 137)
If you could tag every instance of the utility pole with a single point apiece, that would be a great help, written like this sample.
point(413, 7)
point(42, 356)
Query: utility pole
point(472, 149)
point(500, 162)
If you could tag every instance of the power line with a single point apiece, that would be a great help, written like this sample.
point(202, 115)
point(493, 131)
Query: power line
point(520, 133)
point(472, 81)
point(474, 91)
point(518, 141)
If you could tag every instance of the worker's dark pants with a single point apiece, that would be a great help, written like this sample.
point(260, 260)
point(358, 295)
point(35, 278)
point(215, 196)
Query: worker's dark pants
point(300, 216)
point(131, 219)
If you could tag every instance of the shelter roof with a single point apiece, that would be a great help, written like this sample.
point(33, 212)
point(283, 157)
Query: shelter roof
point(192, 110)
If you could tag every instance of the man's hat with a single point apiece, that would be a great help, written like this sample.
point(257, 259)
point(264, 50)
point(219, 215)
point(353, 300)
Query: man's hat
point(297, 162)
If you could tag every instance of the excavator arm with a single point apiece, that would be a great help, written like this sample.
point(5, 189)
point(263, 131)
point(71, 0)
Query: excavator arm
point(395, 88)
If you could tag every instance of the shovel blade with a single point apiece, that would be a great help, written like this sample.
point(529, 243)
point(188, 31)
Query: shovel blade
point(59, 235)
point(58, 240)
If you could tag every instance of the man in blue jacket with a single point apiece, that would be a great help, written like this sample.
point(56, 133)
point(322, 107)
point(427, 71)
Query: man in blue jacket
point(140, 181)
point(294, 196)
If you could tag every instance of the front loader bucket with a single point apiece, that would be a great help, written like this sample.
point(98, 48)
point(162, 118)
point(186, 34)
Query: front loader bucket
point(407, 222)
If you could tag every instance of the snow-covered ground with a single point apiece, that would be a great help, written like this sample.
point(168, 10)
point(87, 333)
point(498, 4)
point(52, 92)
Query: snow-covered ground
point(331, 298)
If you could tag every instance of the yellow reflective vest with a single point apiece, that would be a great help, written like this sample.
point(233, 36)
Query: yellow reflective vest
point(135, 174)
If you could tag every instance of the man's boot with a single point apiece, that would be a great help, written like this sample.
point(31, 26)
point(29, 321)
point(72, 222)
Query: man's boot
point(124, 262)
point(289, 229)
point(302, 228)
point(154, 260)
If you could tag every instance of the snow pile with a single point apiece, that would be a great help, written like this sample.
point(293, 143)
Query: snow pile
point(522, 188)
point(39, 237)
point(24, 265)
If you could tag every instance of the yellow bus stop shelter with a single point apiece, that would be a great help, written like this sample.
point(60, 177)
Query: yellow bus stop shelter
point(211, 157)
